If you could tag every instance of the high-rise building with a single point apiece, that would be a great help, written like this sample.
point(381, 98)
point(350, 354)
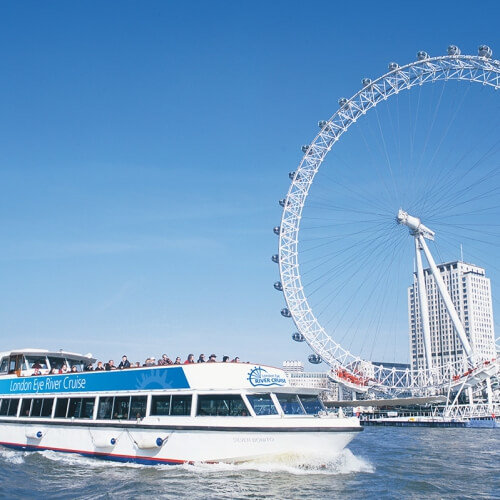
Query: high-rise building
point(470, 292)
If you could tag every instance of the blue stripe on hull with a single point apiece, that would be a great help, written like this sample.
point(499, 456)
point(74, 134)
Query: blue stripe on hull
point(102, 456)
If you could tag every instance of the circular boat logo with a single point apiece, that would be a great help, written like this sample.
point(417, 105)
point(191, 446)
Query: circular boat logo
point(258, 376)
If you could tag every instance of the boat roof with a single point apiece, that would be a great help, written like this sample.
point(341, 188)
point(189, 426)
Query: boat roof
point(30, 351)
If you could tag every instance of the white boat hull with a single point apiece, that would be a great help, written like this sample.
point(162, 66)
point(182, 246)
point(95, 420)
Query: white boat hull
point(161, 445)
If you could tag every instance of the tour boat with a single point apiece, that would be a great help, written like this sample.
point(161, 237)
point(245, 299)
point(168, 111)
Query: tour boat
point(206, 412)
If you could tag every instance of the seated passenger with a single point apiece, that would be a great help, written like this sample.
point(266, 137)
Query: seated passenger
point(225, 359)
point(177, 361)
point(211, 358)
point(164, 360)
point(64, 368)
point(137, 364)
point(74, 369)
point(37, 371)
point(124, 363)
point(236, 360)
point(54, 371)
point(201, 359)
point(189, 360)
point(89, 367)
point(99, 367)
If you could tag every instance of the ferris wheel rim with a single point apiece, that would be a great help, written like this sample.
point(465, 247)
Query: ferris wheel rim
point(468, 68)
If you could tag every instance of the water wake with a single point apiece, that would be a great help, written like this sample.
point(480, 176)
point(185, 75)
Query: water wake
point(342, 463)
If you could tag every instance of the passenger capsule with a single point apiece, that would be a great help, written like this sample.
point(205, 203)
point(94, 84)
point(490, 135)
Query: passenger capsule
point(306, 148)
point(276, 230)
point(286, 313)
point(484, 51)
point(453, 50)
point(422, 55)
point(278, 286)
point(342, 101)
point(291, 175)
point(298, 337)
point(314, 359)
point(322, 123)
point(282, 202)
point(275, 258)
point(392, 66)
point(366, 81)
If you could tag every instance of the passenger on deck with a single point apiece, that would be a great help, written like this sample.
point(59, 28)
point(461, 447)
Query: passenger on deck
point(137, 364)
point(99, 367)
point(37, 371)
point(211, 358)
point(225, 359)
point(89, 367)
point(64, 368)
point(73, 369)
point(164, 360)
point(54, 371)
point(124, 363)
point(189, 360)
point(177, 360)
point(110, 365)
point(236, 360)
point(201, 359)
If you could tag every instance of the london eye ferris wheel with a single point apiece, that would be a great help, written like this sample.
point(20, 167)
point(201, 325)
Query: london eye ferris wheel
point(411, 181)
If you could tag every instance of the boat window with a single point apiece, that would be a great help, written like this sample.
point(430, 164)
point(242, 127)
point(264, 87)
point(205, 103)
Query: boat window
point(311, 404)
point(25, 408)
point(37, 360)
point(225, 405)
point(61, 407)
point(181, 405)
point(36, 407)
point(290, 404)
point(105, 407)
point(4, 364)
point(262, 404)
point(13, 406)
point(138, 407)
point(4, 407)
point(87, 410)
point(47, 405)
point(160, 405)
point(121, 406)
point(75, 362)
point(56, 362)
point(74, 407)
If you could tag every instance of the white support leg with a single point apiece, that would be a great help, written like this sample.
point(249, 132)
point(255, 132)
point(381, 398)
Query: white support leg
point(447, 300)
point(424, 306)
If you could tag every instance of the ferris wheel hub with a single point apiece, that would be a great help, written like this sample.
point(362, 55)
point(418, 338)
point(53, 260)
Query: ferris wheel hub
point(414, 225)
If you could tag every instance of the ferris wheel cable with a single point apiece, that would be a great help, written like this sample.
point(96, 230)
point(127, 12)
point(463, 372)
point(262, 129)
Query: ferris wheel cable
point(447, 189)
point(377, 307)
point(452, 167)
point(381, 272)
point(365, 253)
point(361, 195)
point(386, 154)
point(433, 181)
point(377, 168)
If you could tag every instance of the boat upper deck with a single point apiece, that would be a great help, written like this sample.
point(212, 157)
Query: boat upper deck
point(17, 376)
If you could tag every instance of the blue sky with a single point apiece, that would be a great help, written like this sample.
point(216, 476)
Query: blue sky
point(144, 146)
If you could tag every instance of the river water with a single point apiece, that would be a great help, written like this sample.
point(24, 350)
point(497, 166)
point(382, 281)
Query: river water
point(385, 462)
